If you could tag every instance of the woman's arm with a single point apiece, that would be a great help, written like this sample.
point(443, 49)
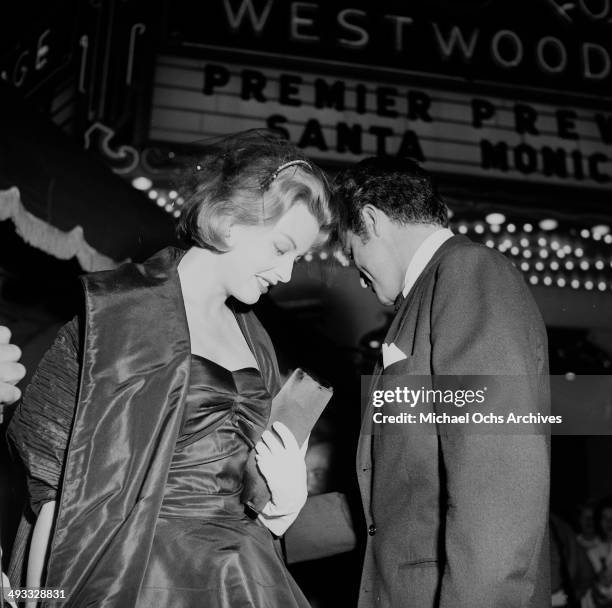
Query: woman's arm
point(39, 546)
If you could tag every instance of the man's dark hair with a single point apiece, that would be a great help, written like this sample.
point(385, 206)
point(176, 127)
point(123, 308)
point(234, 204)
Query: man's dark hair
point(398, 186)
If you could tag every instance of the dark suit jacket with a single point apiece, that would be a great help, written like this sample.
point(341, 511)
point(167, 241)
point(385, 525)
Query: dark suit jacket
point(459, 520)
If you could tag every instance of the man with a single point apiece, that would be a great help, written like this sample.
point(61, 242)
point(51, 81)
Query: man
point(457, 519)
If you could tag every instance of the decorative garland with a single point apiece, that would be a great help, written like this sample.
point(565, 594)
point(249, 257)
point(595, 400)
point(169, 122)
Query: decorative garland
point(48, 238)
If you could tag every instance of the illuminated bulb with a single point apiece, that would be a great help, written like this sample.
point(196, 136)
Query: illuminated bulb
point(548, 224)
point(575, 283)
point(608, 239)
point(177, 213)
point(547, 281)
point(588, 285)
point(584, 233)
point(308, 257)
point(323, 255)
point(172, 194)
point(543, 253)
point(152, 194)
point(554, 245)
point(524, 266)
point(180, 200)
point(600, 230)
point(160, 202)
point(567, 249)
point(495, 228)
point(514, 250)
point(528, 228)
point(578, 252)
point(569, 265)
point(527, 253)
point(584, 265)
point(597, 236)
point(142, 183)
point(495, 218)
point(601, 286)
point(374, 344)
point(542, 241)
point(462, 229)
point(479, 228)
point(599, 264)
point(533, 279)
point(561, 253)
point(539, 266)
point(168, 207)
point(561, 282)
point(490, 243)
point(511, 228)
point(554, 265)
point(524, 242)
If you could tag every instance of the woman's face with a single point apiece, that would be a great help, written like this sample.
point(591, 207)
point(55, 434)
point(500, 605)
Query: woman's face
point(262, 256)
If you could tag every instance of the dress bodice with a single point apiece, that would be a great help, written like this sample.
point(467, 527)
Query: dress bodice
point(225, 414)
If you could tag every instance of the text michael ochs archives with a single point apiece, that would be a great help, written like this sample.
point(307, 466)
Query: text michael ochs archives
point(432, 406)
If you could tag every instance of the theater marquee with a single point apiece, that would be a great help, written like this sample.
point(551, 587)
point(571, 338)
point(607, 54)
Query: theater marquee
point(343, 120)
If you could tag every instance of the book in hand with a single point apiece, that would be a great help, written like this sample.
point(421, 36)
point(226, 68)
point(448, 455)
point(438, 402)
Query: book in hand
point(298, 406)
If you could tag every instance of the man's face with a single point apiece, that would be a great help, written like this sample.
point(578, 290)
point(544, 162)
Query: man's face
point(376, 264)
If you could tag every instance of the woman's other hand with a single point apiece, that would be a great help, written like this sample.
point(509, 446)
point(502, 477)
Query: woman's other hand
point(281, 462)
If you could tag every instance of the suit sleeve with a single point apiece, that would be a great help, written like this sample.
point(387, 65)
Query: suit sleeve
point(484, 321)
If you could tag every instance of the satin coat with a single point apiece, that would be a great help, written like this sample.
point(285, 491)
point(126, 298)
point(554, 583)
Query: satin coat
point(134, 381)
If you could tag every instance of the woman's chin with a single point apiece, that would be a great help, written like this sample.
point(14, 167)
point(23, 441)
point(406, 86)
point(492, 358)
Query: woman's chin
point(248, 298)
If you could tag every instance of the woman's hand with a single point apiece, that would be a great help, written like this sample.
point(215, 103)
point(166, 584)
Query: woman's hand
point(281, 462)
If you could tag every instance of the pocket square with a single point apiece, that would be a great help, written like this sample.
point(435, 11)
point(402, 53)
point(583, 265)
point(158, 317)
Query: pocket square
point(391, 354)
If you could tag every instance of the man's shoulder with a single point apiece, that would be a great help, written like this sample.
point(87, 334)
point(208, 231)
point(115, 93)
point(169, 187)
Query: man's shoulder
point(463, 256)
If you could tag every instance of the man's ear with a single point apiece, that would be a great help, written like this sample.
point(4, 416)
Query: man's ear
point(372, 219)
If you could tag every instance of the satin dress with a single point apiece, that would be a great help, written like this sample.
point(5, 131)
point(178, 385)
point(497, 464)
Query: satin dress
point(206, 552)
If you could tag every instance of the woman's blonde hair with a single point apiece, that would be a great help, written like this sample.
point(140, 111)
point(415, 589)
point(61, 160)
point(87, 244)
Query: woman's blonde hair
point(251, 178)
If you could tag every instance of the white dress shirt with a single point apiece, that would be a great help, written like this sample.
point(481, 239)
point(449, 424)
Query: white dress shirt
point(423, 256)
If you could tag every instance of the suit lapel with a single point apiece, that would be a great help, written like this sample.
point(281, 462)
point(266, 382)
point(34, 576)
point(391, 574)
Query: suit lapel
point(364, 448)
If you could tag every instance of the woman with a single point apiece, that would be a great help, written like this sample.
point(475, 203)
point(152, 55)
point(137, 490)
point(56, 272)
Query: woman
point(166, 388)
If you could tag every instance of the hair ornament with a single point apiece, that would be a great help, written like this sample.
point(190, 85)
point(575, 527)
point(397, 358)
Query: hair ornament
point(266, 183)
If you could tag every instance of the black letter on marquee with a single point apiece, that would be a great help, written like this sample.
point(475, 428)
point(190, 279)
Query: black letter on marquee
point(313, 136)
point(553, 162)
point(274, 123)
point(329, 96)
point(566, 125)
point(493, 156)
point(481, 110)
point(418, 106)
point(348, 138)
point(525, 159)
point(524, 119)
point(411, 146)
point(596, 174)
point(214, 76)
point(288, 87)
point(253, 83)
point(381, 133)
point(605, 127)
point(385, 100)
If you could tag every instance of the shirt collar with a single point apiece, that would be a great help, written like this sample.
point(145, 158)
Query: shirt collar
point(423, 256)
